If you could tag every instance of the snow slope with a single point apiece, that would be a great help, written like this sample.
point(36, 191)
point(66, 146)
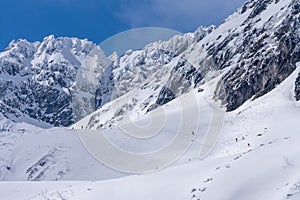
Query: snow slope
point(267, 169)
point(254, 157)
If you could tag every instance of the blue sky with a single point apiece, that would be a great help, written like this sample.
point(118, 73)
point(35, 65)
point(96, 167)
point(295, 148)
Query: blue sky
point(98, 20)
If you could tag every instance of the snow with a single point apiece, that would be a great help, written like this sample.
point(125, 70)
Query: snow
point(267, 169)
point(167, 153)
point(271, 9)
point(248, 177)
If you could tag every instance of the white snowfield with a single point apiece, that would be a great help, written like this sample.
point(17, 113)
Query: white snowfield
point(255, 156)
point(262, 164)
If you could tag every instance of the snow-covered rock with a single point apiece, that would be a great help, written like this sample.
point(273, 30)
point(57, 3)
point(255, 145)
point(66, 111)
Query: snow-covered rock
point(297, 88)
point(52, 81)
point(254, 49)
point(36, 79)
point(135, 67)
point(257, 46)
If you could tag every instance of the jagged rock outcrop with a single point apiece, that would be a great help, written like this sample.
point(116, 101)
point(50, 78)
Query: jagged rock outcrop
point(58, 81)
point(297, 88)
point(269, 55)
point(130, 70)
point(182, 77)
point(253, 50)
point(260, 51)
point(36, 79)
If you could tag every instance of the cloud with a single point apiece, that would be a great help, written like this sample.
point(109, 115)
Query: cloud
point(176, 14)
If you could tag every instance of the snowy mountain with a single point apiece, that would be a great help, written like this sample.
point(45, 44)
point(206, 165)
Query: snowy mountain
point(268, 168)
point(46, 81)
point(135, 67)
point(259, 45)
point(255, 49)
point(250, 63)
point(36, 79)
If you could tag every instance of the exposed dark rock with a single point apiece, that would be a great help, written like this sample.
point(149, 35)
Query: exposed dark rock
point(259, 7)
point(152, 107)
point(165, 95)
point(104, 92)
point(297, 88)
point(262, 68)
point(183, 76)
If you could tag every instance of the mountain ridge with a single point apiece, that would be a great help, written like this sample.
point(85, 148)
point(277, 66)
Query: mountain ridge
point(258, 45)
point(252, 54)
point(48, 71)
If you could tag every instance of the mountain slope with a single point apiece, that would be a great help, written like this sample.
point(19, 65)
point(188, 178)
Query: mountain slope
point(52, 81)
point(250, 62)
point(268, 168)
point(254, 49)
point(259, 44)
point(133, 69)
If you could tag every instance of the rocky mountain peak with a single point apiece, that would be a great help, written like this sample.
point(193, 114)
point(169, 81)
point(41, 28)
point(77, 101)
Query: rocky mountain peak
point(36, 78)
point(254, 49)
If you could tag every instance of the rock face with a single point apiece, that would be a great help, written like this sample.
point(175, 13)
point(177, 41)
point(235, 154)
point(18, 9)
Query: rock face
point(269, 51)
point(297, 88)
point(259, 44)
point(36, 79)
point(133, 68)
point(183, 76)
point(253, 50)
